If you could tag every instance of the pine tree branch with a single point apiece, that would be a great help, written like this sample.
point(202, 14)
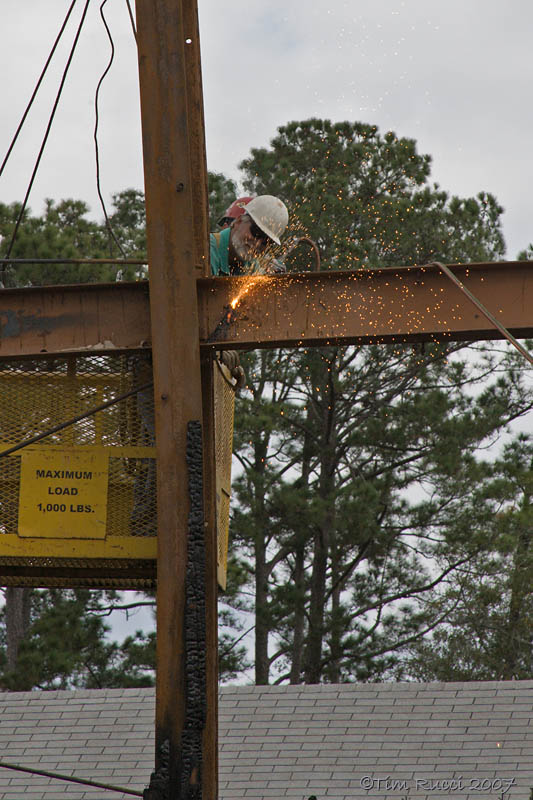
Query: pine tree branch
point(410, 592)
point(105, 611)
point(414, 637)
point(235, 642)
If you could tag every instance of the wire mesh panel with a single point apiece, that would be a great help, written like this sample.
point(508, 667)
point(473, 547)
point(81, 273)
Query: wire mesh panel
point(224, 391)
point(78, 506)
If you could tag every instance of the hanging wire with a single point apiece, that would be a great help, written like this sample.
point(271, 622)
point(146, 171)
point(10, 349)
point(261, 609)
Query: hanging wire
point(74, 420)
point(486, 313)
point(6, 261)
point(37, 87)
point(132, 20)
point(308, 240)
point(71, 779)
point(137, 261)
point(47, 132)
point(96, 150)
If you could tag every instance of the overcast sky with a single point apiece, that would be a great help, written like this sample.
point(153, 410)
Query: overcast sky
point(455, 76)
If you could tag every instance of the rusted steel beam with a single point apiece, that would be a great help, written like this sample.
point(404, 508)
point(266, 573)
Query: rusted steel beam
point(366, 306)
point(176, 203)
point(58, 319)
point(404, 304)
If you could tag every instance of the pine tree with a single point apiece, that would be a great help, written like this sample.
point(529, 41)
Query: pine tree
point(489, 633)
point(346, 568)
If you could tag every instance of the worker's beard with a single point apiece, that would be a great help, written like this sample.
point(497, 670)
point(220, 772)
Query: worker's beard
point(242, 251)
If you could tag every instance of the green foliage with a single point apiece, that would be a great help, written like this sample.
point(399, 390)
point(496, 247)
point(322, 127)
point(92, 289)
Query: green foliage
point(358, 496)
point(68, 643)
point(365, 198)
point(489, 633)
point(67, 646)
point(526, 255)
point(65, 231)
point(62, 232)
point(222, 191)
point(233, 611)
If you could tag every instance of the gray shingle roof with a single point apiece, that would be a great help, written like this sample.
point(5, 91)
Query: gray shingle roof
point(466, 741)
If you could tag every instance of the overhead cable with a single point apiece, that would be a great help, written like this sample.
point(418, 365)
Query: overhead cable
point(95, 136)
point(37, 87)
point(120, 261)
point(47, 132)
point(74, 420)
point(132, 20)
point(486, 313)
point(71, 779)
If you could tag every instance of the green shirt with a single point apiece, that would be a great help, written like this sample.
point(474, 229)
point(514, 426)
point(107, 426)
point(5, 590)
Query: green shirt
point(218, 252)
point(218, 256)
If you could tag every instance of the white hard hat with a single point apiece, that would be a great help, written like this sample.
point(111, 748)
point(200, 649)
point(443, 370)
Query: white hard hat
point(269, 214)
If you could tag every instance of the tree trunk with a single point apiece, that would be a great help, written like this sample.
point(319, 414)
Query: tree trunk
point(261, 610)
point(17, 622)
point(261, 570)
point(313, 655)
point(299, 569)
point(520, 591)
point(299, 616)
point(335, 632)
point(325, 526)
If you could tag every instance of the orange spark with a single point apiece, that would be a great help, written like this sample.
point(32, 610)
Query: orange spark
point(250, 283)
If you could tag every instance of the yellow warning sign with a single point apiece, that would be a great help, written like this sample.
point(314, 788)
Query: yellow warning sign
point(63, 494)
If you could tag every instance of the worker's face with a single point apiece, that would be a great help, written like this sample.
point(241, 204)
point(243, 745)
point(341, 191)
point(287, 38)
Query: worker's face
point(247, 240)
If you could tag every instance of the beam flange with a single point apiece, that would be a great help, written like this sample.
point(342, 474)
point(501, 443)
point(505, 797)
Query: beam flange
point(365, 306)
point(96, 317)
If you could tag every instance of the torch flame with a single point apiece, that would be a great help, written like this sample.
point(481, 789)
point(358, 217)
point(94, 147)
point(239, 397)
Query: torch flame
point(251, 282)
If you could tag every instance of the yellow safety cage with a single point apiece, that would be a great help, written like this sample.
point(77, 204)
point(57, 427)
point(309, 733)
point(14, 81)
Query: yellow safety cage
point(79, 506)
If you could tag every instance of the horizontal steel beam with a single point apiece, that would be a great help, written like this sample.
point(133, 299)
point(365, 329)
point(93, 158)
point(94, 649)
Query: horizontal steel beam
point(97, 317)
point(365, 306)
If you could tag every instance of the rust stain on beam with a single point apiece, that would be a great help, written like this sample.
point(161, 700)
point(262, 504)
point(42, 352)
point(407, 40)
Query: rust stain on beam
point(365, 306)
point(403, 304)
point(59, 319)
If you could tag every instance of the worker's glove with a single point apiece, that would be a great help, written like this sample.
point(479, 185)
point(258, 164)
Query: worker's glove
point(240, 376)
point(275, 267)
point(230, 358)
point(265, 265)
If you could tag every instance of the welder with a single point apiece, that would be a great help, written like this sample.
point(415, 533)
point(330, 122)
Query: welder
point(243, 247)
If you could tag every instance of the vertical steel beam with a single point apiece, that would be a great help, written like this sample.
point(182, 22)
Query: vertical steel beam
point(176, 204)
